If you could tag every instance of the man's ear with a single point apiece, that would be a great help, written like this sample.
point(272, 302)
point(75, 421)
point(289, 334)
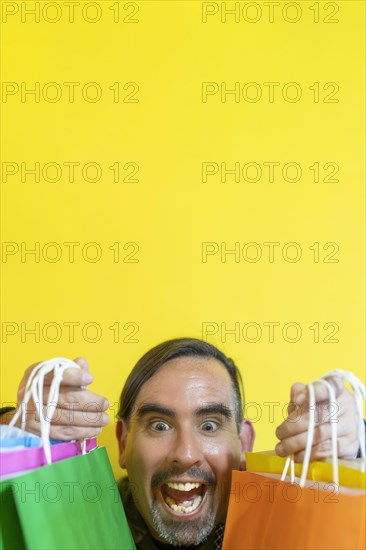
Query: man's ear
point(247, 437)
point(121, 433)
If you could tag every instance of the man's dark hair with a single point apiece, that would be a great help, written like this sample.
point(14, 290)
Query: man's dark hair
point(154, 359)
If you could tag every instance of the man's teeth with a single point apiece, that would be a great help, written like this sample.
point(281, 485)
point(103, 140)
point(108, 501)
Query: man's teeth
point(185, 507)
point(184, 486)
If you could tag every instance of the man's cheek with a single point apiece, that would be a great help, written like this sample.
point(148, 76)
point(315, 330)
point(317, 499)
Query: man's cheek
point(137, 477)
point(135, 491)
point(140, 494)
point(223, 471)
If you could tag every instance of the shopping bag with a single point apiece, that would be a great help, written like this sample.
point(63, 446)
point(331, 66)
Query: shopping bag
point(10, 436)
point(351, 472)
point(16, 460)
point(271, 512)
point(72, 504)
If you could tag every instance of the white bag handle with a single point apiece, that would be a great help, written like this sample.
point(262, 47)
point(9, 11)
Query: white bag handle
point(34, 388)
point(360, 395)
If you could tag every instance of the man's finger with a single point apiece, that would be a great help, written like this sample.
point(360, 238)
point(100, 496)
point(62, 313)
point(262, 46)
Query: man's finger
point(93, 417)
point(297, 443)
point(320, 390)
point(296, 389)
point(68, 433)
point(319, 451)
point(71, 377)
point(298, 421)
point(82, 362)
point(346, 449)
point(72, 397)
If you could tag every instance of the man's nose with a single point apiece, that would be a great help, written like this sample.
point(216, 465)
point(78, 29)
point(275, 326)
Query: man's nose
point(186, 449)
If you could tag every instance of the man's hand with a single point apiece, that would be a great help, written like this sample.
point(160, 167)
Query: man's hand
point(293, 431)
point(79, 412)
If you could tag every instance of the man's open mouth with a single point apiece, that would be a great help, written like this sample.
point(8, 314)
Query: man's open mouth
point(183, 497)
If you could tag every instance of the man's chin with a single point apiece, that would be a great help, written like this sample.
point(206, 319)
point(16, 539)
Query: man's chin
point(183, 528)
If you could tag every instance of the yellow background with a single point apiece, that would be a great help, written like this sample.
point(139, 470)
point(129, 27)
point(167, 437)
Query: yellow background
point(169, 212)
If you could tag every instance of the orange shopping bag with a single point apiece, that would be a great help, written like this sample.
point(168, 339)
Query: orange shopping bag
point(266, 513)
point(271, 512)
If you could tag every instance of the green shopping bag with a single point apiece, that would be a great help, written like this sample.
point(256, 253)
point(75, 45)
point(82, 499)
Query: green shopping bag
point(72, 504)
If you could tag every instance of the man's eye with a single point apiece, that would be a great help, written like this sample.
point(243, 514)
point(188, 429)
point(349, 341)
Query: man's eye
point(209, 426)
point(159, 426)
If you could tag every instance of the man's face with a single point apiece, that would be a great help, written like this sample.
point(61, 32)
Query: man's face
point(180, 448)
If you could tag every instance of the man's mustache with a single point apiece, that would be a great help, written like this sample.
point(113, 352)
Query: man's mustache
point(194, 474)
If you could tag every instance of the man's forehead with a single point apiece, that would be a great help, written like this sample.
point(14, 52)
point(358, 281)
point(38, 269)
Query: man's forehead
point(201, 377)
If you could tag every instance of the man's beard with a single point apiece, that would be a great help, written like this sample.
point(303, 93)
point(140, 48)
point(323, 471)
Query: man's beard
point(184, 532)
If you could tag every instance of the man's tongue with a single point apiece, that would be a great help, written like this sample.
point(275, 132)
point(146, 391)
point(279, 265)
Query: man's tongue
point(181, 496)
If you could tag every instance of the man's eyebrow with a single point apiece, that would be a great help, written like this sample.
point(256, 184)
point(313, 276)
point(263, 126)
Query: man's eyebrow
point(214, 408)
point(147, 408)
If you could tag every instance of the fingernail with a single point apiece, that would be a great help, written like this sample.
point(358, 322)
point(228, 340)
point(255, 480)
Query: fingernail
point(279, 450)
point(87, 378)
point(105, 404)
point(300, 398)
point(105, 419)
point(98, 430)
